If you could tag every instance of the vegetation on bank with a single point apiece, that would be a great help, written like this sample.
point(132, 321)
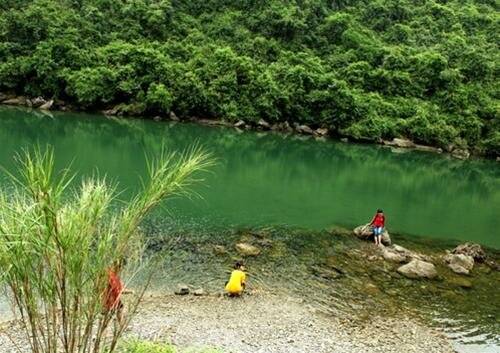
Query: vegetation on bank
point(57, 245)
point(425, 70)
point(141, 346)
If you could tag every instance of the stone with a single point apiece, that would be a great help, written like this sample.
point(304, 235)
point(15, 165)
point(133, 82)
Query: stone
point(199, 292)
point(321, 132)
point(402, 143)
point(304, 129)
point(264, 124)
point(47, 105)
point(471, 249)
point(365, 232)
point(370, 288)
point(393, 256)
point(173, 117)
point(37, 102)
point(239, 123)
point(325, 272)
point(428, 149)
point(246, 249)
point(157, 118)
point(219, 249)
point(15, 101)
point(399, 248)
point(112, 111)
point(182, 289)
point(344, 139)
point(460, 153)
point(418, 269)
point(460, 263)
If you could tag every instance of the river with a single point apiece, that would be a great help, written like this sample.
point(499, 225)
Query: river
point(291, 182)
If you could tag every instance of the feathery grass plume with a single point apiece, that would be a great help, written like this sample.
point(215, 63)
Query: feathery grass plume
point(57, 241)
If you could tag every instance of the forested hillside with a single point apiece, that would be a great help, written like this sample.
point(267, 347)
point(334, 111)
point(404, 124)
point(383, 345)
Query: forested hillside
point(426, 70)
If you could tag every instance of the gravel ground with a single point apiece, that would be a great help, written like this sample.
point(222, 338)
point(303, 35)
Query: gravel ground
point(264, 323)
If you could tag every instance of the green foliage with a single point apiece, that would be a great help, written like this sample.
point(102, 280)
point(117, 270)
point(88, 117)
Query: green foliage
point(140, 346)
point(305, 61)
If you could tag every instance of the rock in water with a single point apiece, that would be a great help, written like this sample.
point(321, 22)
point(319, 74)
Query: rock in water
point(47, 105)
point(471, 249)
point(219, 249)
point(418, 269)
point(246, 249)
point(182, 289)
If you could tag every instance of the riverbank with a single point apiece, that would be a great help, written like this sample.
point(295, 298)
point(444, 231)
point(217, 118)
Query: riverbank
point(317, 132)
point(264, 322)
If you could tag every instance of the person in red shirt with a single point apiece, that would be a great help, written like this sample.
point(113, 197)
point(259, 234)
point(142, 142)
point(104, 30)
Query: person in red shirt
point(377, 223)
point(111, 301)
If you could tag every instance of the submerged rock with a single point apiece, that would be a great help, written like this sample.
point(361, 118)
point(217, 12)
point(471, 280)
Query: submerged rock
point(219, 249)
point(246, 249)
point(365, 232)
point(471, 249)
point(418, 269)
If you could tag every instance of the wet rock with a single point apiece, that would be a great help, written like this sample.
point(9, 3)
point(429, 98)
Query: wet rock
point(365, 232)
point(157, 118)
point(344, 139)
point(325, 272)
point(393, 255)
point(471, 249)
point(47, 105)
point(199, 292)
point(460, 263)
point(5, 96)
point(428, 149)
point(219, 249)
point(263, 124)
point(246, 249)
point(460, 153)
point(372, 289)
point(173, 117)
point(182, 289)
point(418, 269)
point(113, 111)
point(239, 123)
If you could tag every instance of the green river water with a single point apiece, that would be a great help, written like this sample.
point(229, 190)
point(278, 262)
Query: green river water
point(298, 190)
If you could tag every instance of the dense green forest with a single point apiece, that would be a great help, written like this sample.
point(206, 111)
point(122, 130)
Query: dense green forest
point(421, 69)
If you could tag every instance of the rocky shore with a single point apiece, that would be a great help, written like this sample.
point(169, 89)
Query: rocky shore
point(266, 323)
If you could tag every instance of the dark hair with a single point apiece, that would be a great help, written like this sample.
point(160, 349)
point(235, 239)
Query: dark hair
point(379, 211)
point(238, 265)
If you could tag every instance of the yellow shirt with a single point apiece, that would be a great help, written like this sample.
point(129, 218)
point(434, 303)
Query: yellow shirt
point(235, 284)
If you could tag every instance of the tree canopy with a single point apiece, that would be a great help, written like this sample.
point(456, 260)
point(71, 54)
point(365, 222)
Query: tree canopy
point(425, 70)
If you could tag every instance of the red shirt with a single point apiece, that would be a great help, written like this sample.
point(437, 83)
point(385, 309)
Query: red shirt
point(114, 291)
point(379, 220)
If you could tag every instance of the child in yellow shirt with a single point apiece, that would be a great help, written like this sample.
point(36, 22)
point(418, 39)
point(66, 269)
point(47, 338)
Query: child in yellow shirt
point(236, 284)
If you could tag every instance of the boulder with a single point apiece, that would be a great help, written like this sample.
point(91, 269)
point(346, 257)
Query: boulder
point(321, 132)
point(263, 124)
point(112, 111)
point(199, 292)
point(460, 263)
point(182, 289)
point(173, 117)
point(37, 102)
point(401, 143)
point(460, 153)
point(392, 255)
point(15, 101)
point(304, 129)
point(428, 149)
point(365, 232)
point(418, 269)
point(157, 118)
point(239, 123)
point(246, 249)
point(471, 249)
point(47, 105)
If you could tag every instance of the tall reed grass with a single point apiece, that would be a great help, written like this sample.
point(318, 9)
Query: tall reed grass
point(58, 240)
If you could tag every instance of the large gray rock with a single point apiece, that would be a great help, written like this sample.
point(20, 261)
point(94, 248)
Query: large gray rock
point(393, 255)
point(401, 143)
point(418, 269)
point(365, 232)
point(471, 249)
point(246, 249)
point(263, 124)
point(304, 129)
point(15, 101)
point(460, 263)
point(47, 105)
